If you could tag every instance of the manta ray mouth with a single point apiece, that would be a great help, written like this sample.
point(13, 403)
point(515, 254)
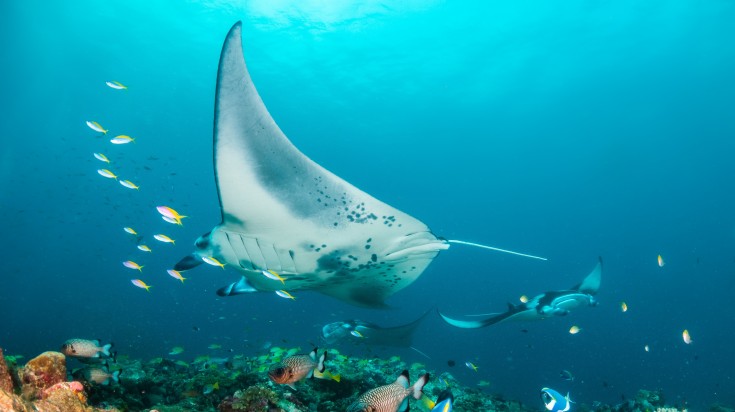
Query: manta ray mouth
point(415, 244)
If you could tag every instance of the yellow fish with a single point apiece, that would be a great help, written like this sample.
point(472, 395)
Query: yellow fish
point(116, 85)
point(623, 307)
point(524, 299)
point(213, 261)
point(270, 274)
point(101, 157)
point(106, 173)
point(96, 127)
point(163, 238)
point(172, 215)
point(139, 283)
point(284, 294)
point(176, 275)
point(132, 265)
point(129, 184)
point(660, 261)
point(471, 366)
point(130, 230)
point(144, 248)
point(122, 139)
point(574, 330)
point(686, 337)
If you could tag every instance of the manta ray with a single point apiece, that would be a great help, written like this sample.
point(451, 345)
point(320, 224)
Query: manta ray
point(553, 303)
point(289, 224)
point(358, 331)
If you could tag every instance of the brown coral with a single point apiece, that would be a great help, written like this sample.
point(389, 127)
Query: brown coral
point(42, 372)
point(6, 380)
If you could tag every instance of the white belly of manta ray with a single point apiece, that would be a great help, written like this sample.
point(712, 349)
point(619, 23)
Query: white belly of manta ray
point(288, 223)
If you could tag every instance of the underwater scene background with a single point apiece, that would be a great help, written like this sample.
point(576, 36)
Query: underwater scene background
point(567, 130)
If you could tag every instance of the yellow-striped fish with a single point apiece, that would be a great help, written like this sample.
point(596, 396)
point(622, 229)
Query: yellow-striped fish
point(176, 275)
point(687, 338)
point(284, 294)
point(661, 262)
point(270, 274)
point(96, 127)
point(173, 215)
point(574, 330)
point(623, 307)
point(129, 184)
point(116, 85)
point(101, 157)
point(122, 139)
point(139, 283)
point(106, 173)
point(163, 238)
point(132, 265)
point(130, 230)
point(213, 261)
point(144, 248)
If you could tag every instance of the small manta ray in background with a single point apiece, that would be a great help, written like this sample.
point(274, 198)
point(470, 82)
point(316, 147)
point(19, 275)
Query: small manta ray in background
point(553, 303)
point(371, 334)
point(288, 223)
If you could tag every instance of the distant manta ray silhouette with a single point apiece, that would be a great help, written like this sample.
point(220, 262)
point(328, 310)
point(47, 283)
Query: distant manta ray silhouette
point(288, 223)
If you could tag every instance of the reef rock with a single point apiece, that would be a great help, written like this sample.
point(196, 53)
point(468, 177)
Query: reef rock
point(41, 373)
point(6, 380)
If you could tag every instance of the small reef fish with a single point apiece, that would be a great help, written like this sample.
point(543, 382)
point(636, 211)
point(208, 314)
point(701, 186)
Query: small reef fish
point(144, 248)
point(574, 330)
point(554, 401)
point(100, 376)
point(284, 294)
point(130, 230)
point(209, 388)
point(170, 213)
point(661, 262)
point(297, 367)
point(96, 127)
point(213, 261)
point(122, 139)
point(176, 275)
point(129, 184)
point(566, 375)
point(523, 299)
point(139, 283)
point(163, 238)
point(85, 348)
point(116, 85)
point(101, 157)
point(171, 220)
point(132, 265)
point(646, 348)
point(176, 350)
point(392, 397)
point(444, 403)
point(623, 306)
point(357, 334)
point(270, 274)
point(471, 366)
point(686, 337)
point(106, 173)
point(214, 346)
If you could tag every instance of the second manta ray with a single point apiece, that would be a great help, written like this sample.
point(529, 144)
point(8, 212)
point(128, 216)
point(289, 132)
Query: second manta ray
point(288, 223)
point(553, 303)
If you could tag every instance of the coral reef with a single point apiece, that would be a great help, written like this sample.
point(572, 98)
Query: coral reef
point(42, 372)
point(241, 384)
point(6, 379)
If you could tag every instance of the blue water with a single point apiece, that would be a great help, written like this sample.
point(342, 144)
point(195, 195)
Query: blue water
point(570, 131)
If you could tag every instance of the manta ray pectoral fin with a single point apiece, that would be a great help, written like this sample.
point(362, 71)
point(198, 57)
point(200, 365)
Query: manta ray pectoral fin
point(188, 262)
point(237, 288)
point(591, 283)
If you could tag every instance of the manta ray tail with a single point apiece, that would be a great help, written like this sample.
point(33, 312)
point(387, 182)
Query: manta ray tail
point(473, 324)
point(462, 242)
